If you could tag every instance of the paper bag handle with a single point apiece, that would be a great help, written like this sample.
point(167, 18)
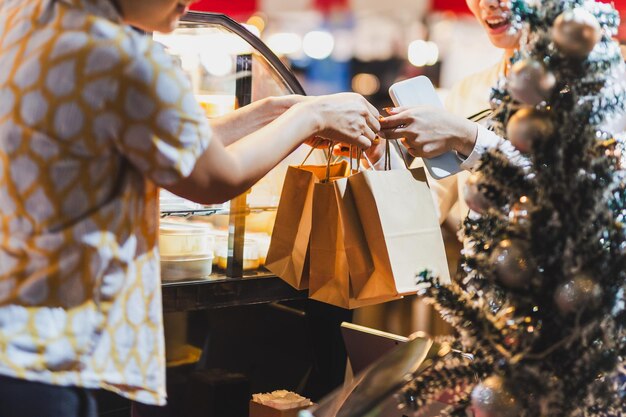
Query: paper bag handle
point(329, 161)
point(308, 155)
point(387, 156)
point(355, 160)
point(401, 152)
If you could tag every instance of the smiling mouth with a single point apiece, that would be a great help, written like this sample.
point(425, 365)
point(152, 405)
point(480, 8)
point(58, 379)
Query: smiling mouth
point(495, 23)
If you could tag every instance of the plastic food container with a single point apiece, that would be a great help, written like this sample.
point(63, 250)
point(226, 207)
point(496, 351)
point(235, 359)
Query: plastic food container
point(186, 239)
point(182, 267)
point(263, 242)
point(250, 254)
point(187, 250)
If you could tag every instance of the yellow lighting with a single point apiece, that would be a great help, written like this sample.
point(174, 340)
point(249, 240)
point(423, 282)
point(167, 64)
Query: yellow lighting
point(365, 84)
point(257, 21)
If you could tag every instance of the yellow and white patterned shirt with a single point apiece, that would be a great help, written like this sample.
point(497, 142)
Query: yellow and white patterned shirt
point(93, 117)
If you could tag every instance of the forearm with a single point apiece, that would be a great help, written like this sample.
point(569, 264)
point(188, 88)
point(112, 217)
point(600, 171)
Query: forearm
point(222, 173)
point(262, 150)
point(236, 125)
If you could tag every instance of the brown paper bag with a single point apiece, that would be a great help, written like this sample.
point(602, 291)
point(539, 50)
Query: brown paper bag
point(398, 217)
point(288, 249)
point(338, 248)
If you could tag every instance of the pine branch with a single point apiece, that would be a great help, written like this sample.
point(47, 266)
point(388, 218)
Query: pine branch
point(456, 307)
point(456, 381)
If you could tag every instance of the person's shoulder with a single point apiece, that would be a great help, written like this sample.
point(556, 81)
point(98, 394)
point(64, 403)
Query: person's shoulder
point(139, 54)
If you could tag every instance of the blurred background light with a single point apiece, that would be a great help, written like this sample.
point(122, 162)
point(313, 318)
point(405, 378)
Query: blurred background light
point(257, 21)
point(422, 53)
point(365, 84)
point(318, 44)
point(218, 65)
point(284, 43)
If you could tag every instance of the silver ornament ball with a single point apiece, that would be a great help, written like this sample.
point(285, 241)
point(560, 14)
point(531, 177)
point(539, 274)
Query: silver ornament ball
point(576, 32)
point(491, 398)
point(472, 195)
point(527, 126)
point(530, 82)
point(512, 266)
point(578, 293)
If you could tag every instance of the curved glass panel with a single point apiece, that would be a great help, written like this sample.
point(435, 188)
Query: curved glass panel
point(228, 67)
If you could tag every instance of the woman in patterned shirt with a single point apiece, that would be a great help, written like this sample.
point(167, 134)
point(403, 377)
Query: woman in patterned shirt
point(94, 117)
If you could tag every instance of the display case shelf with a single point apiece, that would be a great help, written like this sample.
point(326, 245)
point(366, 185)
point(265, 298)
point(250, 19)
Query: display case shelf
point(212, 211)
point(220, 291)
point(192, 212)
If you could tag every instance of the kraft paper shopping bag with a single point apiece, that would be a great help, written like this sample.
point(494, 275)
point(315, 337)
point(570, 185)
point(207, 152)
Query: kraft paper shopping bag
point(400, 224)
point(338, 248)
point(288, 249)
point(329, 273)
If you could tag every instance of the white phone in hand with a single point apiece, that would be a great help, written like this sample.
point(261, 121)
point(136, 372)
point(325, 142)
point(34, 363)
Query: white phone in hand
point(419, 91)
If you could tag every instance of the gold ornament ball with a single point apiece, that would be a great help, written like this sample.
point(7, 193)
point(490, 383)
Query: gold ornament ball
point(472, 195)
point(530, 82)
point(576, 32)
point(491, 398)
point(527, 126)
point(580, 292)
point(520, 211)
point(512, 266)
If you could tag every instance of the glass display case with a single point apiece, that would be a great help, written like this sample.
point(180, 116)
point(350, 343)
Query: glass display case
point(229, 67)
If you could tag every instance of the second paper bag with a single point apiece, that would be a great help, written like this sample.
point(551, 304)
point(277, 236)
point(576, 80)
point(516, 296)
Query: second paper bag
point(338, 249)
point(287, 255)
point(398, 216)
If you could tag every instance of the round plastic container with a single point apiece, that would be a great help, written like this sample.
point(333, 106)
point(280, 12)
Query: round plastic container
point(182, 267)
point(250, 254)
point(186, 239)
point(263, 242)
point(187, 250)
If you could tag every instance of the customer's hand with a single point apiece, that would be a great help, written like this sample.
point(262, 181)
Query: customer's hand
point(429, 131)
point(344, 117)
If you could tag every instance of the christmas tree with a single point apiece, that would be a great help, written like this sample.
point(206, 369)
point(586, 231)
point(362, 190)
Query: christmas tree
point(540, 301)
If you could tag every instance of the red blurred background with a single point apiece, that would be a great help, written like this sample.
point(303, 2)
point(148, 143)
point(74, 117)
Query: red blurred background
point(247, 7)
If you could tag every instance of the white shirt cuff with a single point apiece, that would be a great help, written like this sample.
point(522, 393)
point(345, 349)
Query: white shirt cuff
point(485, 140)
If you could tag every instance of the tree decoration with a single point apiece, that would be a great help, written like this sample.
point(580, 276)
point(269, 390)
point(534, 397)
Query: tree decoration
point(527, 126)
point(474, 196)
point(578, 294)
point(530, 82)
point(540, 299)
point(511, 263)
point(491, 398)
point(520, 211)
point(576, 32)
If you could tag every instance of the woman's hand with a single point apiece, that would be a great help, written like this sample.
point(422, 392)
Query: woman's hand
point(343, 117)
point(428, 131)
